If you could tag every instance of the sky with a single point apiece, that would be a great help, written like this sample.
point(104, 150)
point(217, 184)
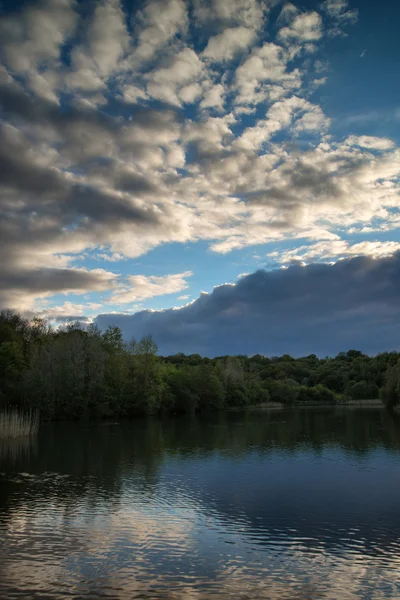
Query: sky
point(224, 175)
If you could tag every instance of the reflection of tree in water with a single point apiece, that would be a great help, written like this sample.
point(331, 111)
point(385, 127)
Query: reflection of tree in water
point(17, 449)
point(103, 475)
point(355, 431)
point(110, 451)
point(96, 462)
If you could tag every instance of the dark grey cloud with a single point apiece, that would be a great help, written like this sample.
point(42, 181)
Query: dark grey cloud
point(53, 200)
point(319, 308)
point(20, 285)
point(20, 172)
point(83, 132)
point(103, 207)
point(133, 182)
point(301, 181)
point(51, 279)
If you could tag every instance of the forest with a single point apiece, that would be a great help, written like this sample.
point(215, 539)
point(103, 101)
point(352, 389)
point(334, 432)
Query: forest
point(75, 372)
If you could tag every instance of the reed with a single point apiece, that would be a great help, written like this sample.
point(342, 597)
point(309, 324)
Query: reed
point(14, 424)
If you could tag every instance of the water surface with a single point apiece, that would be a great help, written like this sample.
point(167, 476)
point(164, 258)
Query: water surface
point(296, 504)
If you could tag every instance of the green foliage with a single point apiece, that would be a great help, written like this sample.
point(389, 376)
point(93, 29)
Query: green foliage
point(318, 394)
point(78, 373)
point(362, 390)
point(390, 391)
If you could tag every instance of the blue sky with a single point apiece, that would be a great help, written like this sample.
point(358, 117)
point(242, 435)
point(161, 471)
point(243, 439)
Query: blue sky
point(155, 150)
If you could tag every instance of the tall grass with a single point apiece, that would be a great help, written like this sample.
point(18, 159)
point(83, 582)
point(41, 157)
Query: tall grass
point(14, 424)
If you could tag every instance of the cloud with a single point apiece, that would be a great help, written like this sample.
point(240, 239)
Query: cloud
point(265, 65)
point(340, 16)
point(214, 98)
point(20, 288)
point(336, 248)
point(219, 13)
point(106, 41)
point(371, 142)
point(32, 41)
point(337, 9)
point(158, 23)
point(318, 308)
point(226, 45)
point(309, 117)
point(305, 27)
point(142, 287)
point(122, 132)
point(177, 71)
point(35, 35)
point(68, 311)
point(288, 13)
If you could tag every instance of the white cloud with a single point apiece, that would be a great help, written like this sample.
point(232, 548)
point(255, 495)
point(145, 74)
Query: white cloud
point(249, 13)
point(288, 13)
point(133, 93)
point(210, 135)
point(280, 116)
point(313, 120)
point(340, 16)
point(213, 98)
point(178, 71)
point(158, 23)
point(35, 34)
point(334, 249)
point(305, 27)
point(107, 40)
point(190, 93)
point(267, 64)
point(319, 81)
point(371, 142)
point(68, 309)
point(31, 42)
point(226, 45)
point(338, 10)
point(142, 287)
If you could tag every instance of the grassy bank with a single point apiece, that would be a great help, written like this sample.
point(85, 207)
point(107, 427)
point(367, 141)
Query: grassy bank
point(14, 424)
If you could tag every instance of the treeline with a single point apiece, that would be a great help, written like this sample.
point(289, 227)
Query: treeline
point(73, 372)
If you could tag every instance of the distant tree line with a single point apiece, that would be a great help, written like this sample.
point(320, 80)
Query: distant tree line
point(72, 372)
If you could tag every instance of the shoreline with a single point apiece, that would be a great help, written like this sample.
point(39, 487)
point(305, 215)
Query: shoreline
point(375, 403)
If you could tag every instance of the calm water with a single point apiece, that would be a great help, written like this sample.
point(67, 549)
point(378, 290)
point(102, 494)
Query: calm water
point(270, 505)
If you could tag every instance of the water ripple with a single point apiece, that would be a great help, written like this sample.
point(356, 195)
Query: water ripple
point(180, 522)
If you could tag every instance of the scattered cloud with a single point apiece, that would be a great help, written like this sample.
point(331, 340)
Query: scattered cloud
point(305, 27)
point(105, 43)
point(340, 15)
point(368, 141)
point(68, 311)
point(141, 287)
point(333, 249)
point(224, 46)
point(221, 14)
point(126, 130)
point(265, 68)
point(157, 25)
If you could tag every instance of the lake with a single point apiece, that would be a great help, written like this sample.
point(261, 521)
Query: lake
point(291, 504)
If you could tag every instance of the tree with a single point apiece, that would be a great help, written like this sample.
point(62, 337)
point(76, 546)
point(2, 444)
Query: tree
point(390, 391)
